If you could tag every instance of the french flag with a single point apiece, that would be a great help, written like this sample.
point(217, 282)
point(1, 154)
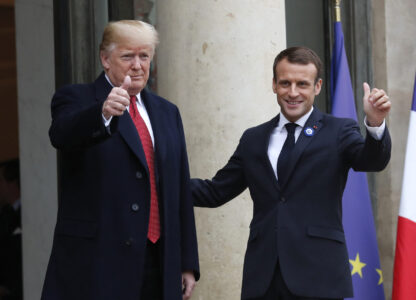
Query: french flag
point(404, 277)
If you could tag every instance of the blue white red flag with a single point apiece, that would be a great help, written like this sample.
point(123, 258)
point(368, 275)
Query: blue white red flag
point(404, 277)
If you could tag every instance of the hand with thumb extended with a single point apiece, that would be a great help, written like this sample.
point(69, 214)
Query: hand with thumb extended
point(118, 100)
point(367, 90)
point(126, 83)
point(376, 105)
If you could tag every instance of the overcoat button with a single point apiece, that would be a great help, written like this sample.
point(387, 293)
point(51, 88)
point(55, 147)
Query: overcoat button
point(128, 242)
point(139, 175)
point(283, 199)
point(134, 207)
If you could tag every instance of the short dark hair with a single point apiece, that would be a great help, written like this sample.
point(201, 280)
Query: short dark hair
point(299, 55)
point(10, 170)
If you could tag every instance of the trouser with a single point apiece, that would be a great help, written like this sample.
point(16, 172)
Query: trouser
point(152, 287)
point(278, 290)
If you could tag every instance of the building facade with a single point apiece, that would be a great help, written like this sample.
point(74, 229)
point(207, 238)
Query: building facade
point(215, 62)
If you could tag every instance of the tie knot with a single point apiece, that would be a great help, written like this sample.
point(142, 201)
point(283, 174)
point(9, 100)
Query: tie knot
point(290, 127)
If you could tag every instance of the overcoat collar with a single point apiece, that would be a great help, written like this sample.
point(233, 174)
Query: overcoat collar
point(102, 87)
point(157, 118)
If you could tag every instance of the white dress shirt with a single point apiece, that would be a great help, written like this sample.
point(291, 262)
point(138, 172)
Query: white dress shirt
point(142, 111)
point(279, 133)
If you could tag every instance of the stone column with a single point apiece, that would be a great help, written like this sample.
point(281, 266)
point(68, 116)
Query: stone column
point(36, 84)
point(215, 62)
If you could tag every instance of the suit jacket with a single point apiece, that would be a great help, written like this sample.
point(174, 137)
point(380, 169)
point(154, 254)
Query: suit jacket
point(298, 222)
point(104, 198)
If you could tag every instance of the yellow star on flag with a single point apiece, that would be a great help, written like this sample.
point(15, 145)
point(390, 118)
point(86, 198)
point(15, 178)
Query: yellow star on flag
point(357, 266)
point(381, 276)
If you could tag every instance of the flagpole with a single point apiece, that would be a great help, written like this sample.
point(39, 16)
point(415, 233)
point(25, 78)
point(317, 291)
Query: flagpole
point(337, 8)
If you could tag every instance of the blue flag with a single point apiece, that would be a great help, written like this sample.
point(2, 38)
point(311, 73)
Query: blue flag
point(358, 219)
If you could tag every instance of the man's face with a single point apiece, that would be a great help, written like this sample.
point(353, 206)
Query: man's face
point(295, 88)
point(129, 57)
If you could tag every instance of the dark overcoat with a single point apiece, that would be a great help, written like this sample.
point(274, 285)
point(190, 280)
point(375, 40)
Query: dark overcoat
point(104, 197)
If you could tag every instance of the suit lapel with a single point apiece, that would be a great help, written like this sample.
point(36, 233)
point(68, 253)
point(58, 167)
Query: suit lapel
point(313, 123)
point(126, 126)
point(102, 88)
point(155, 113)
point(129, 133)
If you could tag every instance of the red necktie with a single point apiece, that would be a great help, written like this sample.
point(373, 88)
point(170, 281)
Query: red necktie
point(153, 233)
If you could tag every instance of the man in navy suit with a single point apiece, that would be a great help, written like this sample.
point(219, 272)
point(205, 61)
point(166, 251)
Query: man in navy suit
point(125, 226)
point(296, 166)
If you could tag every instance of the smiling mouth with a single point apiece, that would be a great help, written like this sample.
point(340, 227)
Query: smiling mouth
point(293, 102)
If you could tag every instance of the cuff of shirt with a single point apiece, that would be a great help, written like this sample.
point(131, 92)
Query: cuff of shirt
point(376, 132)
point(107, 122)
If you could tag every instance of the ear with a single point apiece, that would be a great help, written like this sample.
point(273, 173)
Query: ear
point(104, 57)
point(318, 86)
point(274, 86)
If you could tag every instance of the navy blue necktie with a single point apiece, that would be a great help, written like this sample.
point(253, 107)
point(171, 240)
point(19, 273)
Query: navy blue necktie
point(283, 161)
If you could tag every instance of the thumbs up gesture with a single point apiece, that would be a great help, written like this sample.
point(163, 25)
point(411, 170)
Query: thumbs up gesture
point(118, 100)
point(376, 105)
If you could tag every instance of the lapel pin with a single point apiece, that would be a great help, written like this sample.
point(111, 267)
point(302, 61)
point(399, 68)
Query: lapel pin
point(309, 131)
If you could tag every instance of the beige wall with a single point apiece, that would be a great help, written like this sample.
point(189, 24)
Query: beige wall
point(215, 62)
point(394, 59)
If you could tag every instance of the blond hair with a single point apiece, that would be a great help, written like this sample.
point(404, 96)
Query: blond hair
point(117, 31)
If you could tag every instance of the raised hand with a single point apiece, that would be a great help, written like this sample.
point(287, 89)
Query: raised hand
point(118, 100)
point(376, 105)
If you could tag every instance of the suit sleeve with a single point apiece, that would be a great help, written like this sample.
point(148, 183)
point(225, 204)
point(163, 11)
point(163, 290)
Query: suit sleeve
point(189, 246)
point(364, 155)
point(227, 183)
point(76, 118)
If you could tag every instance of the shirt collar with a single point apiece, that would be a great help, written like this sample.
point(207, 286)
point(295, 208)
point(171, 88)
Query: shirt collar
point(139, 98)
point(300, 122)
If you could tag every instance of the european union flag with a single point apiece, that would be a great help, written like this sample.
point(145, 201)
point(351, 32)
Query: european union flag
point(357, 213)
